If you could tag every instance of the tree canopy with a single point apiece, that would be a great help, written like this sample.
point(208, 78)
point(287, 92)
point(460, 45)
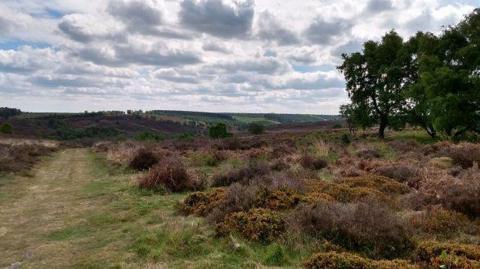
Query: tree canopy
point(428, 81)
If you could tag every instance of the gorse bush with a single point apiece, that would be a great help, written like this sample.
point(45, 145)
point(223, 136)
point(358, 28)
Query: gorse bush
point(433, 254)
point(202, 203)
point(257, 224)
point(334, 260)
point(142, 160)
point(368, 228)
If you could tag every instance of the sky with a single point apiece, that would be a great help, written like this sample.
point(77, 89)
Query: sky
point(259, 56)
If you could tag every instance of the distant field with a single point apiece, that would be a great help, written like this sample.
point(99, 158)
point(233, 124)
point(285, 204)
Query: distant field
point(242, 119)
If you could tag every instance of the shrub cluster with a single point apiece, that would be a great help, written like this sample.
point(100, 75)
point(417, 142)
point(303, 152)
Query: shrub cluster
point(334, 260)
point(447, 255)
point(357, 189)
point(170, 175)
point(252, 170)
point(458, 194)
point(313, 163)
point(143, 160)
point(441, 223)
point(202, 203)
point(400, 172)
point(258, 224)
point(368, 228)
point(18, 158)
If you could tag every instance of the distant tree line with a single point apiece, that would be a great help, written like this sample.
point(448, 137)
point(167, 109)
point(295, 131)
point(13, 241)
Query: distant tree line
point(431, 81)
point(6, 112)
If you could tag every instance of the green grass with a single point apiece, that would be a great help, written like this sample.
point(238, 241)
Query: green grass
point(152, 232)
point(69, 233)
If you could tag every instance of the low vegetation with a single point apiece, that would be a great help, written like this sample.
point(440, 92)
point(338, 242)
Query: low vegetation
point(312, 199)
point(20, 157)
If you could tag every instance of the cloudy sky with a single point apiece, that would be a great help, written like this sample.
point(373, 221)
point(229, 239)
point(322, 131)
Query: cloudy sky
point(205, 55)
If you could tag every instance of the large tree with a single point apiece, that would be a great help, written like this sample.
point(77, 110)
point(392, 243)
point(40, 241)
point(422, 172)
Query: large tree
point(449, 74)
point(418, 108)
point(377, 79)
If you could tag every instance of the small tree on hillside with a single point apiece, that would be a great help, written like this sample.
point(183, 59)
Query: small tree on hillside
point(218, 131)
point(256, 128)
point(6, 128)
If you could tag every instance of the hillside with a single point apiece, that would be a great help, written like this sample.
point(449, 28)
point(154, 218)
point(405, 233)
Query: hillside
point(241, 120)
point(156, 124)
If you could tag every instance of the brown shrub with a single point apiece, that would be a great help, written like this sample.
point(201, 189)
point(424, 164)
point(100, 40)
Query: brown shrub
point(219, 155)
point(433, 149)
point(143, 160)
point(441, 223)
point(334, 260)
point(368, 154)
point(252, 170)
point(399, 172)
point(459, 194)
point(257, 224)
point(451, 255)
point(313, 163)
point(169, 175)
point(404, 145)
point(369, 228)
point(279, 165)
point(464, 154)
point(380, 183)
point(20, 158)
point(237, 198)
point(281, 150)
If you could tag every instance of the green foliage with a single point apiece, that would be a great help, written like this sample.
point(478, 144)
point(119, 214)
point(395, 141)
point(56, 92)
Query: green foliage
point(6, 128)
point(376, 79)
point(275, 255)
point(149, 136)
point(429, 81)
point(256, 128)
point(449, 77)
point(64, 131)
point(6, 112)
point(346, 140)
point(218, 131)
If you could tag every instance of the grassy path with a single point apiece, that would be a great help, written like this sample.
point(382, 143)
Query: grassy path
point(37, 209)
point(75, 211)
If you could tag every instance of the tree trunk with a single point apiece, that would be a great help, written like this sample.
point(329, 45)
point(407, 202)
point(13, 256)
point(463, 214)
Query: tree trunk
point(431, 131)
point(381, 129)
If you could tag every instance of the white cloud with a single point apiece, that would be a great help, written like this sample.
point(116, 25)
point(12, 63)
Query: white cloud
point(215, 55)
